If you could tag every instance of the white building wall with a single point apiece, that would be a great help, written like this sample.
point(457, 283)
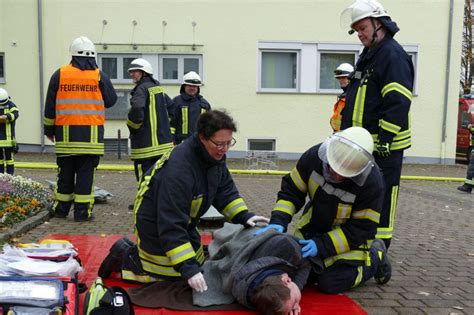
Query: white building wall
point(227, 34)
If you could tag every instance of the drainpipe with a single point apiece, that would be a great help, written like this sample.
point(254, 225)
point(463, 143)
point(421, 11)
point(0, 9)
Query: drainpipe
point(446, 84)
point(40, 62)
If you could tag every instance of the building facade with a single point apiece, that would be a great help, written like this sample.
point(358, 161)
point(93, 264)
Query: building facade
point(269, 63)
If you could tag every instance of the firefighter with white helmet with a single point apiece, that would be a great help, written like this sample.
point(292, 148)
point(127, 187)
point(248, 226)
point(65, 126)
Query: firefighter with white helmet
point(190, 104)
point(342, 74)
point(74, 119)
point(141, 64)
point(343, 191)
point(378, 97)
point(82, 47)
point(8, 115)
point(151, 118)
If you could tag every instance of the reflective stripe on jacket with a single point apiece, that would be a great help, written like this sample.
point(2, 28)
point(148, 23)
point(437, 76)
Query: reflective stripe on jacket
point(7, 128)
point(149, 120)
point(341, 218)
point(79, 100)
point(472, 135)
point(188, 110)
point(379, 94)
point(172, 197)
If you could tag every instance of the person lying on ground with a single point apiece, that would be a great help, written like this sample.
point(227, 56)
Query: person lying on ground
point(266, 273)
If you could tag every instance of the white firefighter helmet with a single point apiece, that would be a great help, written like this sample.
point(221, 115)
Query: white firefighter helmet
point(192, 78)
point(360, 10)
point(349, 152)
point(141, 64)
point(82, 47)
point(344, 70)
point(4, 96)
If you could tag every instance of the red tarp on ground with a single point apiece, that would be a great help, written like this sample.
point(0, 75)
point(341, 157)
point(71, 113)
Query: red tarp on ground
point(93, 249)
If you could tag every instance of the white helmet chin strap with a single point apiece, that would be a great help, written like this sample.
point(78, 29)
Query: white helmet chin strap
point(374, 35)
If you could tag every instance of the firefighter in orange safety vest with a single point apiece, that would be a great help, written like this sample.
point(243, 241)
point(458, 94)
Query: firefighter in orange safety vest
point(74, 117)
point(342, 73)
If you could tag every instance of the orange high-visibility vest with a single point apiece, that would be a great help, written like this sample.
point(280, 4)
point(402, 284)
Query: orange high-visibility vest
point(336, 115)
point(79, 100)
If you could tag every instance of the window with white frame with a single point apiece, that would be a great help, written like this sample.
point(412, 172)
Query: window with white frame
point(121, 107)
point(169, 69)
point(279, 70)
point(328, 62)
point(297, 67)
point(2, 68)
point(174, 67)
point(116, 66)
point(330, 56)
point(412, 51)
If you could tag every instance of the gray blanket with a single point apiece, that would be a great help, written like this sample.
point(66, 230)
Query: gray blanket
point(229, 251)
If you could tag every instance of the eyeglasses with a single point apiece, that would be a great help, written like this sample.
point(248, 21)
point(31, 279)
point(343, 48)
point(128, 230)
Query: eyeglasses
point(222, 145)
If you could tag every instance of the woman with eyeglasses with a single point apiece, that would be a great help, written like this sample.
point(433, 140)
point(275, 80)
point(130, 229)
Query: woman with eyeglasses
point(173, 196)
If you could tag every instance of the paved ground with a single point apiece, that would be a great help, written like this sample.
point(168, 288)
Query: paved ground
point(432, 252)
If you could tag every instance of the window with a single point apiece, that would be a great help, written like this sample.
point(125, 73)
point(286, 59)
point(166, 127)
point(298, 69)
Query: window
point(330, 56)
point(121, 108)
point(116, 66)
point(412, 51)
point(297, 67)
point(279, 70)
point(174, 67)
point(279, 67)
point(329, 61)
point(261, 145)
point(2, 68)
point(169, 69)
point(302, 67)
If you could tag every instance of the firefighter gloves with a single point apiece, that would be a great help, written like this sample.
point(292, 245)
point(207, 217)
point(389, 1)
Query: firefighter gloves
point(197, 282)
point(257, 220)
point(383, 149)
point(275, 227)
point(309, 248)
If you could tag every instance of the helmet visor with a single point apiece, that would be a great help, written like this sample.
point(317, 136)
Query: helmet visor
point(347, 158)
point(345, 19)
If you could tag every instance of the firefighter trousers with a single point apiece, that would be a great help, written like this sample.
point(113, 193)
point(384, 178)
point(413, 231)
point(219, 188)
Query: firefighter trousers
point(391, 168)
point(76, 175)
point(342, 277)
point(470, 171)
point(141, 166)
point(7, 161)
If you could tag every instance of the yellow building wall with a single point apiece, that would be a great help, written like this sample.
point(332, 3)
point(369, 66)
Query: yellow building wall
point(227, 33)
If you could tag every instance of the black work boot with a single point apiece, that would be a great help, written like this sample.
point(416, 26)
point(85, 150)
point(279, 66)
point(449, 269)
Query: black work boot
point(465, 188)
point(113, 261)
point(60, 209)
point(384, 271)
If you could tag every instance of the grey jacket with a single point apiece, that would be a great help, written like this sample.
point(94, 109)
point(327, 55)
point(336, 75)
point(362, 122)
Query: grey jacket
point(237, 257)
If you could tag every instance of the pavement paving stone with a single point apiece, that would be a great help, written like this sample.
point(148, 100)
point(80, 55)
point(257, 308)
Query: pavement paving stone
point(408, 311)
point(443, 311)
point(379, 302)
point(411, 303)
point(380, 311)
point(432, 251)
